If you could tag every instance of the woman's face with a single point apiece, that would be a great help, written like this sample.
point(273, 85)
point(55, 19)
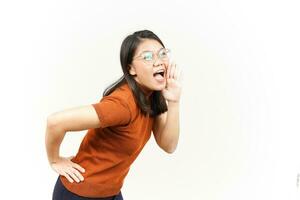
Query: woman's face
point(146, 69)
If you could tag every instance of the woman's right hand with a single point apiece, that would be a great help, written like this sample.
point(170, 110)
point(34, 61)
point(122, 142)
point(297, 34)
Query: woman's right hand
point(67, 168)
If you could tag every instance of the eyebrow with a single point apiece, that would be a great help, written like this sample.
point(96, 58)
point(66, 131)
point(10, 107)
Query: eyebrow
point(150, 51)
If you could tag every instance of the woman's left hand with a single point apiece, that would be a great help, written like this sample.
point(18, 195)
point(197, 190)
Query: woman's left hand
point(172, 91)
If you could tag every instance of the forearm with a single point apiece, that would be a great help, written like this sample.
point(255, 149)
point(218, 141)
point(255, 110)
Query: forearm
point(53, 139)
point(170, 134)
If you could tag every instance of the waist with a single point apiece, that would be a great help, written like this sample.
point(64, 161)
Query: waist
point(103, 191)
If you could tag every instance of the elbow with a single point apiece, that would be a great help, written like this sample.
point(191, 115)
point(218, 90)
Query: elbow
point(170, 150)
point(52, 122)
point(170, 147)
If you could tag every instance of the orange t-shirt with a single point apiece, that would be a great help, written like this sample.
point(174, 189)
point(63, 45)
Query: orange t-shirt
point(107, 152)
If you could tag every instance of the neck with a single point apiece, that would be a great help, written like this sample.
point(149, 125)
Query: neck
point(145, 90)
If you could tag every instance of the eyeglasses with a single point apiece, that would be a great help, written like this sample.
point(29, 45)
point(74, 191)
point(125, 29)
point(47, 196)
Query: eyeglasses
point(148, 56)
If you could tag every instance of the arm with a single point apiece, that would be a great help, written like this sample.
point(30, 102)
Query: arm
point(166, 128)
point(73, 119)
point(166, 125)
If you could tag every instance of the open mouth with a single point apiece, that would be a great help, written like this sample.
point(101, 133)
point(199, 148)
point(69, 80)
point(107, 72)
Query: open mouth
point(159, 73)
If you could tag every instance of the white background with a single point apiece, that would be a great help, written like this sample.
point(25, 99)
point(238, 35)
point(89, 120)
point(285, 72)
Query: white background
point(240, 108)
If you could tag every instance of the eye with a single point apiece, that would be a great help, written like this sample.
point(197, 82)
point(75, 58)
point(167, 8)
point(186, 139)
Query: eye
point(147, 56)
point(163, 53)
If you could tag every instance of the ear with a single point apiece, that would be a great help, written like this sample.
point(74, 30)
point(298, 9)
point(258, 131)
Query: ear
point(132, 70)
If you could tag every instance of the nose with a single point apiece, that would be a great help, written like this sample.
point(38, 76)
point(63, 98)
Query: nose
point(157, 61)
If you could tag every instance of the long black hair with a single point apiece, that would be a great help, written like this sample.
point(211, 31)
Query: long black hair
point(157, 103)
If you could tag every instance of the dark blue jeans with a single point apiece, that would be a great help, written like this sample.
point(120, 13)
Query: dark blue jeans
point(61, 193)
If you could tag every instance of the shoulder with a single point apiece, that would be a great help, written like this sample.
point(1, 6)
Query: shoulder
point(124, 95)
point(122, 91)
point(116, 108)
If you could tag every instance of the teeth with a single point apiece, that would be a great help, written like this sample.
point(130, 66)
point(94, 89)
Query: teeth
point(160, 71)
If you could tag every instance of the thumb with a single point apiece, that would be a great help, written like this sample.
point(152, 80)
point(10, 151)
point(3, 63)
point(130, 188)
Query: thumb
point(165, 93)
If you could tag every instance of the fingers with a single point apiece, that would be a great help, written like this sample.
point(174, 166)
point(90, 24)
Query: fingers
point(168, 70)
point(67, 176)
point(77, 173)
point(174, 71)
point(78, 167)
point(70, 170)
point(75, 169)
point(171, 70)
point(74, 174)
point(181, 76)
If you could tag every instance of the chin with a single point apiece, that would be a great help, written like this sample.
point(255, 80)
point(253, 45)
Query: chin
point(159, 88)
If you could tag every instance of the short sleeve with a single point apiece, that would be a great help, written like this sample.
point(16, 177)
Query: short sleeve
point(112, 111)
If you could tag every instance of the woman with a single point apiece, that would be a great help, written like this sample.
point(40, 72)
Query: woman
point(146, 98)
